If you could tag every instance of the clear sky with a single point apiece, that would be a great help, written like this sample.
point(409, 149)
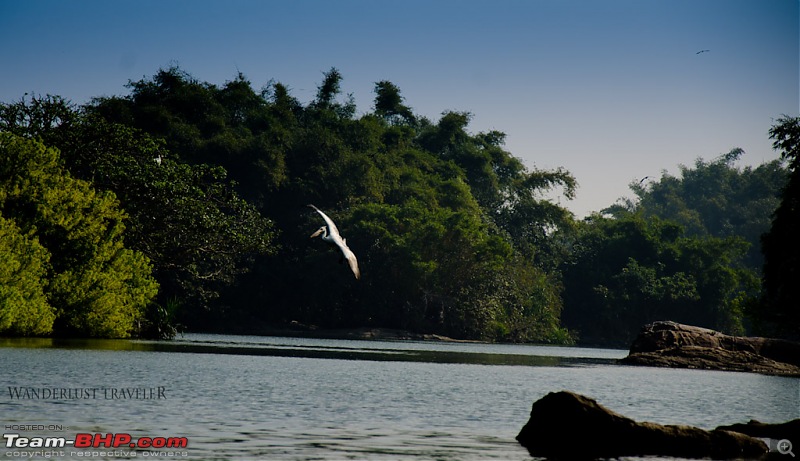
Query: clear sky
point(610, 90)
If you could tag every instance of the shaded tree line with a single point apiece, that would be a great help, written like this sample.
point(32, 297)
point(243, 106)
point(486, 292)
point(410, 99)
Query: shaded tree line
point(215, 180)
point(686, 248)
point(714, 198)
point(778, 313)
point(453, 233)
point(626, 272)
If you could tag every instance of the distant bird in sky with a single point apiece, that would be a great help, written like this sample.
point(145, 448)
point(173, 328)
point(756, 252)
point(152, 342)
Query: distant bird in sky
point(702, 51)
point(642, 180)
point(330, 234)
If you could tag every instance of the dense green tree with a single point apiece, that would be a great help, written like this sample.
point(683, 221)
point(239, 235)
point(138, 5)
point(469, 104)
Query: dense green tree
point(37, 117)
point(96, 285)
point(714, 198)
point(24, 309)
point(389, 104)
point(510, 194)
point(779, 312)
point(416, 200)
point(626, 272)
point(451, 229)
point(187, 219)
point(327, 92)
point(232, 126)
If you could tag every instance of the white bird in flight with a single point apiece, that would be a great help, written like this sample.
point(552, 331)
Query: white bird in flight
point(330, 234)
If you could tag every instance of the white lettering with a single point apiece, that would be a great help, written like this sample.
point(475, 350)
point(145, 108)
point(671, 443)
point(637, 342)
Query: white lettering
point(15, 441)
point(10, 439)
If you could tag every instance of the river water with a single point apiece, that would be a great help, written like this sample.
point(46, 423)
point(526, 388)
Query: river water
point(274, 398)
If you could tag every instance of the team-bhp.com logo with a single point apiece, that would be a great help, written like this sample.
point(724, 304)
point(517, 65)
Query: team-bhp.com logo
point(93, 441)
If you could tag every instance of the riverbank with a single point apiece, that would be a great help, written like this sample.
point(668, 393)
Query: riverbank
point(299, 330)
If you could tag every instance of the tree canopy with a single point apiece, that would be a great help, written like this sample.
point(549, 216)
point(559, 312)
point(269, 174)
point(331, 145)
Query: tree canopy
point(198, 234)
point(779, 312)
point(66, 268)
point(431, 210)
point(209, 184)
point(714, 198)
point(626, 272)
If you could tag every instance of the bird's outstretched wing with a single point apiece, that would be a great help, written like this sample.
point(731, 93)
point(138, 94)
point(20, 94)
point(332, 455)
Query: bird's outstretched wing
point(351, 261)
point(337, 239)
point(332, 229)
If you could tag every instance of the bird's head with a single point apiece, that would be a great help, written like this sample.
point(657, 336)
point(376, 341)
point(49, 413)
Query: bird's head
point(323, 231)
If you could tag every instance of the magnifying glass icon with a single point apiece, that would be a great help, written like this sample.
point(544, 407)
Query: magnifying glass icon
point(785, 447)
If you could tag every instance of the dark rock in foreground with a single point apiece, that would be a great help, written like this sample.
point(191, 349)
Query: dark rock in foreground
point(670, 344)
point(789, 430)
point(564, 425)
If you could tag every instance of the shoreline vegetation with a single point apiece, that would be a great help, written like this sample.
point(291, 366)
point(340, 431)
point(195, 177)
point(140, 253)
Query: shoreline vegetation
point(361, 333)
point(183, 203)
point(659, 344)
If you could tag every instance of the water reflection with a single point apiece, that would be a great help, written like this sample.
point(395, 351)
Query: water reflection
point(63, 343)
point(402, 351)
point(301, 399)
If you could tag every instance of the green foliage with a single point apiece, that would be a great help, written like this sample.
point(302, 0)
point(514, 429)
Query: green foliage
point(389, 104)
point(786, 138)
point(233, 126)
point(416, 200)
point(24, 309)
point(37, 117)
point(510, 195)
point(452, 232)
point(778, 312)
point(714, 199)
point(187, 219)
point(96, 285)
point(630, 271)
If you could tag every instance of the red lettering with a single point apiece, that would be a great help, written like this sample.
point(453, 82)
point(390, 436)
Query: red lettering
point(100, 440)
point(177, 442)
point(121, 439)
point(83, 441)
point(112, 440)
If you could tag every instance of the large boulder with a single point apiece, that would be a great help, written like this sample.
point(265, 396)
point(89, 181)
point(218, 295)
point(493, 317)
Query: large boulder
point(670, 344)
point(789, 430)
point(565, 425)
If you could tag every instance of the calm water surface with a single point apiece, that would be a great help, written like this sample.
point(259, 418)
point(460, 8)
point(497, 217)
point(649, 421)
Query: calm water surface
point(248, 397)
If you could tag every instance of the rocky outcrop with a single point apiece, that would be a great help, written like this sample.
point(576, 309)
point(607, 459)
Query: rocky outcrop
point(670, 344)
point(564, 425)
point(789, 430)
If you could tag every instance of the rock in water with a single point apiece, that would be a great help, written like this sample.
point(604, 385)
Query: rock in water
point(789, 430)
point(670, 344)
point(569, 426)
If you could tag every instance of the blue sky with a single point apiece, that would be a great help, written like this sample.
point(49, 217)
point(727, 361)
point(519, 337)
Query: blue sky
point(610, 90)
